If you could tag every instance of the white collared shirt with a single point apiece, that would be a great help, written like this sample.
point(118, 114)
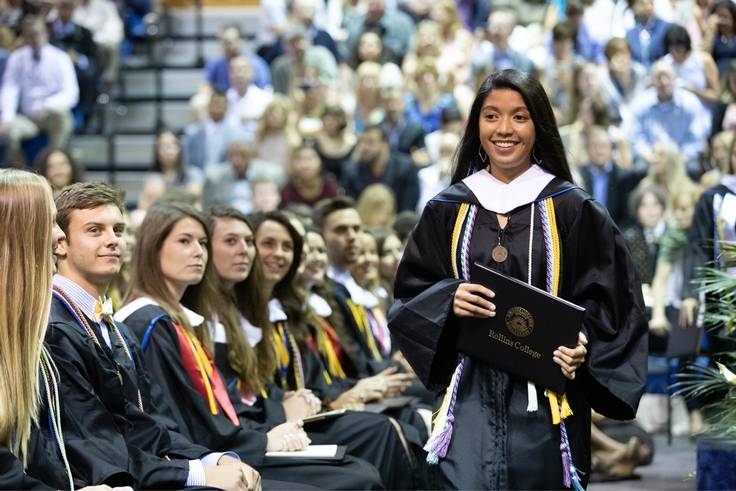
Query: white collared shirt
point(84, 300)
point(48, 83)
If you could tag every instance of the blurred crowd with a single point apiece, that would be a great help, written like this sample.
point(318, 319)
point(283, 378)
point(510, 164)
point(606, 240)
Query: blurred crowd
point(368, 98)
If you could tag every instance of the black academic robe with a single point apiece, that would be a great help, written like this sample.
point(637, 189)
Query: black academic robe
point(45, 467)
point(12, 475)
point(370, 437)
point(192, 414)
point(701, 252)
point(102, 420)
point(496, 443)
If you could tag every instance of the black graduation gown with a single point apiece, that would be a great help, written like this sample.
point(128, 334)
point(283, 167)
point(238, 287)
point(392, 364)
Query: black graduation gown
point(102, 422)
point(368, 436)
point(192, 414)
point(496, 443)
point(45, 468)
point(12, 475)
point(700, 252)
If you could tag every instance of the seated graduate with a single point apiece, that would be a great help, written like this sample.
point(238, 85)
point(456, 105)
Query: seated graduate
point(170, 266)
point(326, 324)
point(103, 374)
point(32, 453)
point(371, 437)
point(512, 207)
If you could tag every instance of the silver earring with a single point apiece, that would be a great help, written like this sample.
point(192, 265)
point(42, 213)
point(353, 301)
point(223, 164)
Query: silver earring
point(536, 159)
point(483, 156)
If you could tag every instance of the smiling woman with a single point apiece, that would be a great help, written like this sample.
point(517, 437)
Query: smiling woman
point(513, 208)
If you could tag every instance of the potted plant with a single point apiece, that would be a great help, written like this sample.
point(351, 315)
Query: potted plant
point(716, 451)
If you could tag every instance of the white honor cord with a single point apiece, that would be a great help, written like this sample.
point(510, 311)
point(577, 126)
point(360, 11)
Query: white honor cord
point(531, 389)
point(55, 413)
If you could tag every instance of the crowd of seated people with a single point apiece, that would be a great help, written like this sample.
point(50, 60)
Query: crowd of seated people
point(318, 147)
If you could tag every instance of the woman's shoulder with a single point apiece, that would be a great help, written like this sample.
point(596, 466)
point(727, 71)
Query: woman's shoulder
point(139, 313)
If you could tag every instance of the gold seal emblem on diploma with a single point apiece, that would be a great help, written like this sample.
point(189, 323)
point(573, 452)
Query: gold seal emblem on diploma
point(519, 321)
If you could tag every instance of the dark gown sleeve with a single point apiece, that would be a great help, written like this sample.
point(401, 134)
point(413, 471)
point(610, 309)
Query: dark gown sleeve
point(12, 475)
point(424, 292)
point(598, 274)
point(153, 430)
point(185, 405)
point(699, 249)
point(95, 439)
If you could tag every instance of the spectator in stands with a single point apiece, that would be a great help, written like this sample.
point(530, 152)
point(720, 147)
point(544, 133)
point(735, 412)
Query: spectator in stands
point(623, 78)
point(369, 48)
point(229, 184)
point(696, 71)
point(724, 114)
point(668, 112)
point(587, 45)
point(604, 179)
point(367, 95)
point(169, 162)
point(451, 121)
point(495, 53)
point(456, 41)
point(266, 196)
point(377, 206)
point(427, 44)
point(646, 38)
point(405, 223)
point(647, 206)
point(302, 60)
point(722, 43)
point(405, 134)
point(77, 42)
point(374, 162)
point(246, 102)
point(558, 73)
point(206, 142)
point(335, 142)
point(59, 169)
point(277, 134)
point(102, 18)
point(308, 184)
point(718, 161)
point(428, 101)
point(395, 28)
point(666, 168)
point(217, 71)
point(436, 177)
point(303, 12)
point(39, 90)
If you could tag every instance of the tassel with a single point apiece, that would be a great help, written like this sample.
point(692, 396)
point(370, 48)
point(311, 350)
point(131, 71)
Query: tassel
point(439, 440)
point(565, 409)
point(570, 477)
point(531, 394)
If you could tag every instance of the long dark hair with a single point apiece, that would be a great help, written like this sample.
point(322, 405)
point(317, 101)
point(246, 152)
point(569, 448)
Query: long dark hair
point(255, 366)
point(287, 290)
point(548, 146)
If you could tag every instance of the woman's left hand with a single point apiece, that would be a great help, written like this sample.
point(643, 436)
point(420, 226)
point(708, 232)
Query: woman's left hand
point(570, 359)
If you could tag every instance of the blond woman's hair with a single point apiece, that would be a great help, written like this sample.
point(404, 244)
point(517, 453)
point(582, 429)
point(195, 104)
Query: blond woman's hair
point(26, 242)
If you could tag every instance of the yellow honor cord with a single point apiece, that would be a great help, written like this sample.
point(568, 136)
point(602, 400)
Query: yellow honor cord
point(361, 318)
point(462, 213)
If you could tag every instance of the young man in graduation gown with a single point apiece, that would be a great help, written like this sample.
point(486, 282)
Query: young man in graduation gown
point(525, 220)
point(340, 224)
point(102, 376)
